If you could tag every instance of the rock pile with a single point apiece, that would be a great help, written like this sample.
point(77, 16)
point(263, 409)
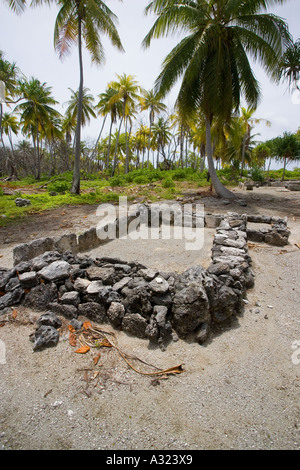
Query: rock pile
point(141, 301)
point(277, 234)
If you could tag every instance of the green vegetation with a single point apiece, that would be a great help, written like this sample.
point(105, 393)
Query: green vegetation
point(141, 185)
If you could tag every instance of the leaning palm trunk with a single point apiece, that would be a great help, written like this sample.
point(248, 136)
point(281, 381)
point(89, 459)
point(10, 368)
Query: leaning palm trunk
point(216, 183)
point(98, 138)
point(76, 170)
point(109, 145)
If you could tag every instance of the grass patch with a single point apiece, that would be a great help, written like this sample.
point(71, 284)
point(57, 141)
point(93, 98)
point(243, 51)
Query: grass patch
point(43, 202)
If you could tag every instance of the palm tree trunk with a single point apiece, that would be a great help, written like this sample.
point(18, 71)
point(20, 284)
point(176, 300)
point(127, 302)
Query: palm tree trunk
point(149, 141)
point(127, 148)
point(34, 153)
point(117, 141)
point(38, 153)
point(13, 175)
point(216, 183)
point(76, 170)
point(109, 143)
point(98, 138)
point(243, 155)
point(284, 167)
point(268, 170)
point(202, 156)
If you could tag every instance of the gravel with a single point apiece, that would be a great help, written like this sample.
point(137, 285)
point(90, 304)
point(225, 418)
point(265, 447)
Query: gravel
point(240, 390)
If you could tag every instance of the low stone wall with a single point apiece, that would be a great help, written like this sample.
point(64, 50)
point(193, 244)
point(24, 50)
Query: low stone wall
point(147, 303)
point(50, 275)
point(278, 234)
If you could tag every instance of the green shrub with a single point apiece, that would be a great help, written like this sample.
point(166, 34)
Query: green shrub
point(142, 179)
point(168, 183)
point(117, 181)
point(179, 174)
point(59, 186)
point(256, 174)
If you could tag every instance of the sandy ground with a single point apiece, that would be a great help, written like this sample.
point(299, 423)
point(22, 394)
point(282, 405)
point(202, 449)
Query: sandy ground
point(239, 391)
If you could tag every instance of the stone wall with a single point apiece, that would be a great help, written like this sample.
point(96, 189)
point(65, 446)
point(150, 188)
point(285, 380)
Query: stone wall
point(157, 305)
point(277, 234)
point(50, 275)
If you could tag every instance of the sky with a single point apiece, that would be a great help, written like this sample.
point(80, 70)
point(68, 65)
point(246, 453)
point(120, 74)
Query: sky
point(27, 40)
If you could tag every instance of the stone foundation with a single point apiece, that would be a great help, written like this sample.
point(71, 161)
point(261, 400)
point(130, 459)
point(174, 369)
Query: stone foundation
point(52, 276)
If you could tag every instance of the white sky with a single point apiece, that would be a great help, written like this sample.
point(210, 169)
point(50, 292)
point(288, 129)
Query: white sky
point(28, 40)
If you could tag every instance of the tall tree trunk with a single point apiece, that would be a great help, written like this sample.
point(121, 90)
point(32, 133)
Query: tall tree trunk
point(202, 156)
point(117, 142)
point(126, 170)
point(76, 170)
point(149, 140)
point(38, 153)
point(98, 138)
point(284, 167)
point(13, 174)
point(116, 147)
point(269, 165)
point(181, 146)
point(216, 183)
point(34, 154)
point(243, 155)
point(109, 143)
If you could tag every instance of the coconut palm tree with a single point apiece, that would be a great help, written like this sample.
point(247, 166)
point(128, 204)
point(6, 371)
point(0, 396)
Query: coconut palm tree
point(10, 125)
point(18, 6)
point(150, 101)
point(87, 110)
point(198, 136)
point(78, 21)
point(36, 112)
point(128, 94)
point(162, 135)
point(212, 60)
point(107, 106)
point(248, 121)
point(9, 77)
point(290, 64)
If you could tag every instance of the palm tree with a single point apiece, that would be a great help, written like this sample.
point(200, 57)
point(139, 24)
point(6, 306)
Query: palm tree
point(9, 77)
point(150, 101)
point(198, 136)
point(108, 106)
point(127, 93)
point(290, 64)
point(140, 138)
point(212, 58)
point(237, 145)
point(10, 125)
point(87, 110)
point(77, 21)
point(248, 121)
point(18, 6)
point(162, 135)
point(36, 112)
point(287, 148)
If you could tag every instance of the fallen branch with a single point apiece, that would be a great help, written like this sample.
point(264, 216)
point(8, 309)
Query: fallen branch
point(98, 338)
